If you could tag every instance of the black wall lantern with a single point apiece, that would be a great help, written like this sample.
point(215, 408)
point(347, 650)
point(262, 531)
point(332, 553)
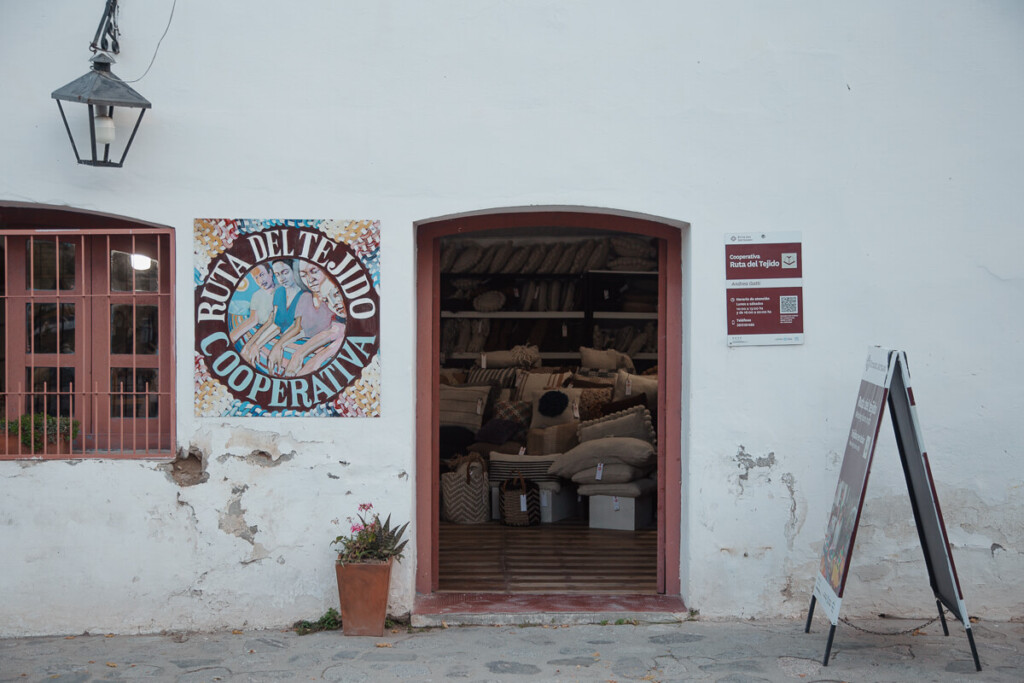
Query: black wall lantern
point(102, 91)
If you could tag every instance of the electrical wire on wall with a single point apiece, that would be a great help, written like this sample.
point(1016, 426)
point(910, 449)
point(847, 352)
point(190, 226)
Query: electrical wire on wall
point(158, 43)
point(107, 33)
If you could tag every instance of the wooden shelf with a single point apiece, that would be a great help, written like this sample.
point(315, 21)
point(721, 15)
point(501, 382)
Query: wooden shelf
point(622, 315)
point(526, 315)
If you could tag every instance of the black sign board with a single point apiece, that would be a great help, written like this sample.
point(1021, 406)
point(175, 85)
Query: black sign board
point(886, 379)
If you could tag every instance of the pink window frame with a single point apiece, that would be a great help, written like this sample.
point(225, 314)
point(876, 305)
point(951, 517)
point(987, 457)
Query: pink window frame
point(18, 219)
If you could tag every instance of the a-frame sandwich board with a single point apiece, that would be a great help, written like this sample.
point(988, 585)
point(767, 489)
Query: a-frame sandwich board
point(886, 378)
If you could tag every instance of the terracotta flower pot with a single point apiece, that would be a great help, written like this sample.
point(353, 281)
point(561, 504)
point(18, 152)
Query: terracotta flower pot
point(363, 594)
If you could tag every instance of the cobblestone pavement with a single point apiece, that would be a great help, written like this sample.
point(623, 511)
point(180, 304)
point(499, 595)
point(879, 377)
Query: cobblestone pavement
point(726, 652)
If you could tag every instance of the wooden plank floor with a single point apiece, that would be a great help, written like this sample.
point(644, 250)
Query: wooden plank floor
point(564, 557)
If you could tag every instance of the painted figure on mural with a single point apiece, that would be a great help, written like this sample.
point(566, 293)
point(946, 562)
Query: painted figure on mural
point(286, 300)
point(261, 303)
point(298, 291)
point(322, 346)
point(312, 316)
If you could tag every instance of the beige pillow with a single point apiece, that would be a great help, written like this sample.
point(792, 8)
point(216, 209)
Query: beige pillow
point(503, 466)
point(634, 422)
point(518, 357)
point(607, 359)
point(448, 253)
point(499, 258)
point(535, 259)
point(551, 440)
point(633, 246)
point(551, 256)
point(599, 257)
point(516, 261)
point(540, 380)
point(583, 252)
point(626, 263)
point(615, 449)
point(631, 489)
point(452, 376)
point(486, 257)
point(462, 406)
point(612, 473)
point(467, 259)
point(565, 261)
point(628, 385)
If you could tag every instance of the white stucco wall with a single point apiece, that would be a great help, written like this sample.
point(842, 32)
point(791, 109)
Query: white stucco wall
point(889, 136)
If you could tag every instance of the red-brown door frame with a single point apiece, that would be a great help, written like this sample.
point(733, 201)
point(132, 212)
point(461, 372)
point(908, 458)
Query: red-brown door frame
point(670, 354)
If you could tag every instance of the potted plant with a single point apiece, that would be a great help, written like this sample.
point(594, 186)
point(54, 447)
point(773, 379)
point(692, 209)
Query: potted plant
point(31, 431)
point(364, 571)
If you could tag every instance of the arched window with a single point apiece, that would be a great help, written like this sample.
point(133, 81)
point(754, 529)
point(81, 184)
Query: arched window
point(87, 361)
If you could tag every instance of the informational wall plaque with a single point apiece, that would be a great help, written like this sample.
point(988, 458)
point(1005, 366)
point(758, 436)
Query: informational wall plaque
point(764, 289)
point(287, 318)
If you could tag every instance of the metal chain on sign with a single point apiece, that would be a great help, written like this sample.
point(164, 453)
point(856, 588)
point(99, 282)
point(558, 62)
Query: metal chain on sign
point(904, 632)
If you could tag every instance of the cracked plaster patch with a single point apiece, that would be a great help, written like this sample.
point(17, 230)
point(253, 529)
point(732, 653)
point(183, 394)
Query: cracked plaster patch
point(188, 468)
point(747, 462)
point(232, 519)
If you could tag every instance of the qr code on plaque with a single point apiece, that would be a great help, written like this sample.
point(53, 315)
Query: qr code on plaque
point(788, 305)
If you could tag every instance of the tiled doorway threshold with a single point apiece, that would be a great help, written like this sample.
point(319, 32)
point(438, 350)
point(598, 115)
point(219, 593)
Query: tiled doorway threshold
point(451, 609)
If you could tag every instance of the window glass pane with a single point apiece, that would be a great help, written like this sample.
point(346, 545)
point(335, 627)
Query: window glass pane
point(121, 337)
point(134, 397)
point(133, 272)
point(43, 332)
point(138, 335)
point(47, 395)
point(44, 268)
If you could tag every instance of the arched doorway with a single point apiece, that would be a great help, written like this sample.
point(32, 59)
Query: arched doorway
point(668, 235)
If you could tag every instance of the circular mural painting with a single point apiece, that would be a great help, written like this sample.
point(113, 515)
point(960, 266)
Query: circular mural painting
point(287, 318)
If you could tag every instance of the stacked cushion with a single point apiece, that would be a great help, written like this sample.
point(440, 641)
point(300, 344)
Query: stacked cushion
point(634, 422)
point(463, 406)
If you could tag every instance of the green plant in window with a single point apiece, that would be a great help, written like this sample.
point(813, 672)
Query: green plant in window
point(37, 428)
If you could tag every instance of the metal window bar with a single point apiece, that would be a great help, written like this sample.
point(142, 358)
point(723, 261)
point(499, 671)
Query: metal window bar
point(38, 434)
point(96, 436)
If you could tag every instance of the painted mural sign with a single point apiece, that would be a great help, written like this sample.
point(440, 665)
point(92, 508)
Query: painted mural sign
point(764, 289)
point(287, 318)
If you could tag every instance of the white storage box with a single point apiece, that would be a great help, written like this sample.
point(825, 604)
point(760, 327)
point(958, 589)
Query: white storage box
point(616, 512)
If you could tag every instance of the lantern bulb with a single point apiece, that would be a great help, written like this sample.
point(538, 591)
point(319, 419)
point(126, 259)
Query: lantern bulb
point(104, 130)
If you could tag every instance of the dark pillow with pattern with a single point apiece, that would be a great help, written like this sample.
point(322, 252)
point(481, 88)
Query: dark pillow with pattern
point(499, 430)
point(514, 411)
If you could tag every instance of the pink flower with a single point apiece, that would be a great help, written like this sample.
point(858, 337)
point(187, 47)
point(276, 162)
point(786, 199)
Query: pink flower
point(365, 507)
point(356, 528)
